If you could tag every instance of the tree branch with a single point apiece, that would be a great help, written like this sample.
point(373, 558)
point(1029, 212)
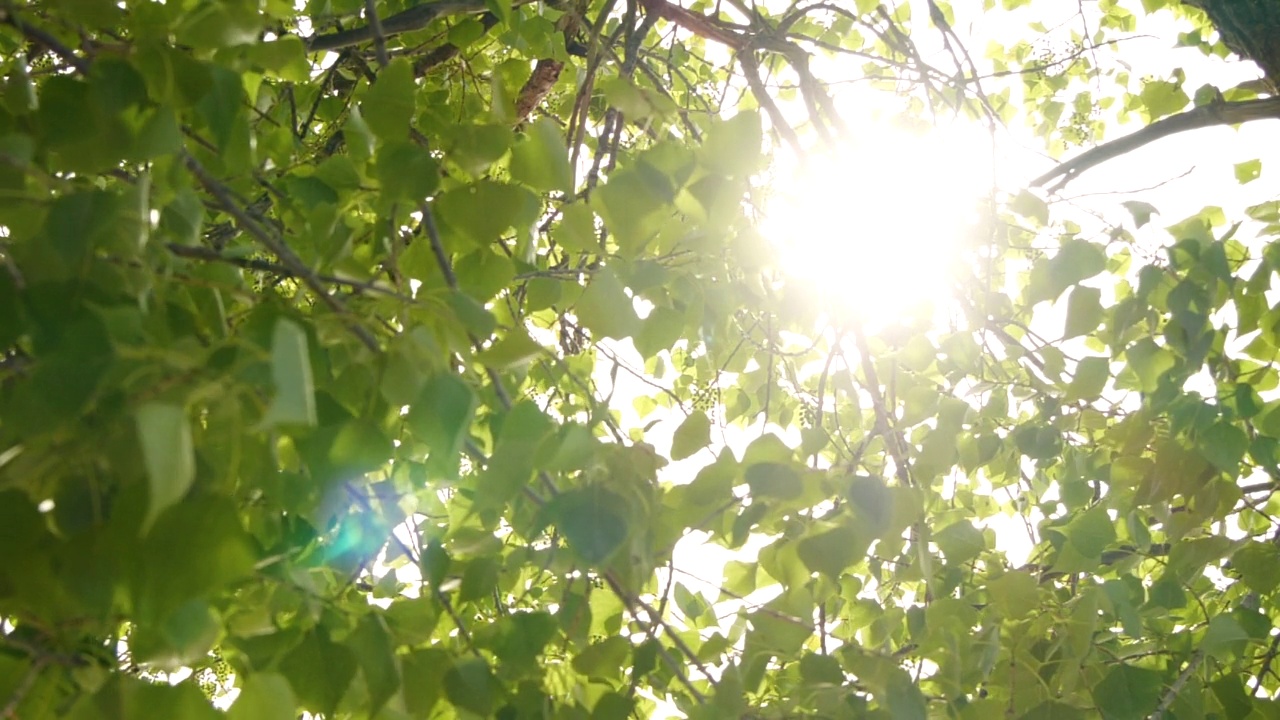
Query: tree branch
point(1172, 693)
point(196, 252)
point(1218, 113)
point(41, 37)
point(415, 18)
point(278, 247)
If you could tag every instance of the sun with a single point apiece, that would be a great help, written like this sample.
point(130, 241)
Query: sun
point(876, 225)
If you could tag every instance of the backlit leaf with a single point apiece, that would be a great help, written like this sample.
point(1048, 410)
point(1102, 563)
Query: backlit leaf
point(166, 447)
point(693, 434)
point(294, 401)
point(389, 104)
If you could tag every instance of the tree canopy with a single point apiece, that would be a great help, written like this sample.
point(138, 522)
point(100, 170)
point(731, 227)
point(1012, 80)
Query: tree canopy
point(371, 359)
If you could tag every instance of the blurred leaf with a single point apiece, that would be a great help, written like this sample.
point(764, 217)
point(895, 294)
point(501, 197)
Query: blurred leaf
point(594, 520)
point(319, 671)
point(388, 106)
point(470, 685)
point(264, 696)
point(541, 161)
point(692, 435)
point(294, 402)
point(170, 458)
point(1128, 693)
point(605, 309)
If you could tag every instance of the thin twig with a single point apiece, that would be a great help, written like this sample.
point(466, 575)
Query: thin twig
point(1172, 693)
point(277, 246)
point(883, 418)
point(28, 681)
point(196, 252)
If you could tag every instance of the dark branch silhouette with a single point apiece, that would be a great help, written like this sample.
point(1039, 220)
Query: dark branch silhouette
point(1218, 113)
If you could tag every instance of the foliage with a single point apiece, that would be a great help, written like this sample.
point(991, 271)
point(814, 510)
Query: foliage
point(309, 356)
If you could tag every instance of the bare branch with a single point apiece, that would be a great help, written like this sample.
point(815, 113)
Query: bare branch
point(375, 27)
point(415, 18)
point(1219, 113)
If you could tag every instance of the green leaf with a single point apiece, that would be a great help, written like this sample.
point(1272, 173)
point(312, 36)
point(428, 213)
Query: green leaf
point(524, 636)
point(732, 147)
point(222, 107)
point(194, 548)
point(1128, 693)
point(123, 696)
point(612, 706)
point(441, 417)
point(1091, 532)
point(319, 671)
point(483, 274)
point(389, 105)
point(960, 542)
point(1084, 311)
point(626, 204)
point(605, 308)
point(486, 209)
point(165, 436)
point(1224, 445)
point(816, 669)
point(1054, 710)
point(501, 9)
point(1236, 700)
point(1224, 637)
point(479, 579)
point(541, 161)
point(294, 402)
point(776, 480)
point(576, 230)
point(1014, 594)
point(1030, 205)
point(515, 348)
point(264, 696)
point(903, 699)
point(830, 551)
point(1140, 211)
point(375, 654)
point(358, 447)
point(1248, 171)
point(635, 102)
point(470, 685)
point(424, 671)
point(406, 171)
point(1149, 362)
point(604, 660)
point(1161, 97)
point(475, 147)
point(1090, 378)
point(1076, 260)
point(693, 435)
point(1258, 564)
point(594, 520)
point(286, 56)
